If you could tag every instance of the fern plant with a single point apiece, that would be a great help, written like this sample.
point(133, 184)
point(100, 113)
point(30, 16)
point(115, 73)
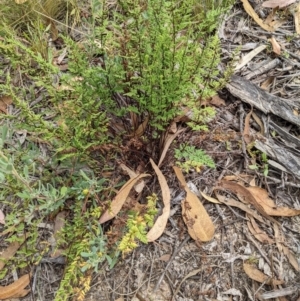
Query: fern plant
point(158, 54)
point(192, 158)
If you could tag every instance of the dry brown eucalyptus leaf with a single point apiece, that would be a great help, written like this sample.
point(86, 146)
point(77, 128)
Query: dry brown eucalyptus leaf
point(141, 128)
point(157, 230)
point(255, 274)
point(165, 257)
point(246, 196)
point(258, 233)
point(250, 11)
point(280, 243)
point(246, 134)
point(277, 3)
point(120, 199)
point(199, 223)
point(291, 257)
point(4, 102)
point(217, 101)
point(16, 288)
point(296, 14)
point(234, 203)
point(209, 198)
point(267, 83)
point(276, 47)
point(262, 197)
point(168, 140)
point(132, 174)
point(10, 251)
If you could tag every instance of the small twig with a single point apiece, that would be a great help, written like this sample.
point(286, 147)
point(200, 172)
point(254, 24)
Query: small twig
point(242, 113)
point(263, 254)
point(151, 271)
point(176, 251)
point(132, 264)
point(263, 69)
point(232, 264)
point(260, 287)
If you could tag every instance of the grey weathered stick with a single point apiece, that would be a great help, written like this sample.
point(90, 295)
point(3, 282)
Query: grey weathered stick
point(262, 100)
point(175, 252)
point(289, 158)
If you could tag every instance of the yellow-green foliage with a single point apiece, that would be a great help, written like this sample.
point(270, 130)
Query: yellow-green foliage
point(80, 233)
point(137, 225)
point(192, 158)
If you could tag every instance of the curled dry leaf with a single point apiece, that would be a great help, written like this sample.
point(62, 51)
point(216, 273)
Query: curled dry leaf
point(10, 251)
point(161, 222)
point(291, 257)
point(138, 187)
point(141, 128)
point(165, 257)
point(234, 203)
point(246, 196)
point(276, 47)
point(168, 140)
point(280, 243)
point(209, 198)
point(217, 101)
point(261, 125)
point(296, 14)
point(120, 199)
point(277, 3)
point(5, 101)
point(259, 276)
point(251, 12)
point(16, 288)
point(258, 233)
point(199, 223)
point(247, 135)
point(262, 197)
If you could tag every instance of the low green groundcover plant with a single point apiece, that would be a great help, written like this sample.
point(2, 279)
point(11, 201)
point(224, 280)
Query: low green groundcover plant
point(140, 62)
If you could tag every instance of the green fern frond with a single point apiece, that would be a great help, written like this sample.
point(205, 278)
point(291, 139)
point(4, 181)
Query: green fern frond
point(193, 158)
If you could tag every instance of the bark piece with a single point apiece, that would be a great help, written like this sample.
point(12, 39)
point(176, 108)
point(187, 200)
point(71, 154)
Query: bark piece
point(262, 100)
point(289, 158)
